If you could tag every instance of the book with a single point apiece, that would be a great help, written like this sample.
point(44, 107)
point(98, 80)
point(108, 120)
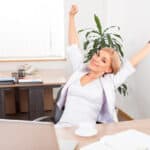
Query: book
point(7, 80)
point(32, 81)
point(125, 140)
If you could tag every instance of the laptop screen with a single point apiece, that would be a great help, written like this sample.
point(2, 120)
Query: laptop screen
point(27, 135)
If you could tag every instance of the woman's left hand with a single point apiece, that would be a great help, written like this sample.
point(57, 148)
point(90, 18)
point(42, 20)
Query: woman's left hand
point(73, 10)
point(147, 46)
point(136, 59)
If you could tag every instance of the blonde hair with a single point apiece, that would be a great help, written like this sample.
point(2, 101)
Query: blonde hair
point(115, 59)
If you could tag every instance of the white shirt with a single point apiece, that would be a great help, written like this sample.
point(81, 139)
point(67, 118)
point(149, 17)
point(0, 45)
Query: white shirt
point(83, 102)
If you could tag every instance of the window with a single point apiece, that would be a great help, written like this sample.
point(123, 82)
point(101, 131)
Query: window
point(31, 29)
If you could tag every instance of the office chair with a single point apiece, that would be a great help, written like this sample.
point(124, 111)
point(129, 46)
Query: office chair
point(56, 112)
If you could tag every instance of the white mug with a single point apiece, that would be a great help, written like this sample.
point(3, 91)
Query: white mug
point(86, 129)
point(87, 125)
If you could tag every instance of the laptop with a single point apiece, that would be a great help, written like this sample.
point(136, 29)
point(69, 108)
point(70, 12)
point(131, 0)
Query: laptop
point(28, 135)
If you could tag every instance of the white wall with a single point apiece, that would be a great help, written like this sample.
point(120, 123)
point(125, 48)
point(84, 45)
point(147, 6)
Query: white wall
point(133, 18)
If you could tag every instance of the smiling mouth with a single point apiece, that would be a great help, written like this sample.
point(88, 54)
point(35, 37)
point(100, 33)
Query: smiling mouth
point(95, 63)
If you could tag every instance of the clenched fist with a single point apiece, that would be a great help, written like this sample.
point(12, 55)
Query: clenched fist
point(74, 10)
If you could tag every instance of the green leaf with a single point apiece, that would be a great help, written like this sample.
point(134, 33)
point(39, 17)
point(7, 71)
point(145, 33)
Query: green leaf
point(96, 43)
point(95, 32)
point(124, 86)
point(85, 61)
point(87, 34)
point(119, 89)
point(92, 51)
point(124, 93)
point(81, 30)
point(119, 49)
point(90, 54)
point(103, 43)
point(98, 24)
point(109, 40)
point(118, 36)
point(90, 32)
point(123, 89)
point(85, 45)
point(108, 28)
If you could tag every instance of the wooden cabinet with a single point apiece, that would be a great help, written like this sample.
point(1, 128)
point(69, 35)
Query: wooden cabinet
point(10, 103)
point(23, 99)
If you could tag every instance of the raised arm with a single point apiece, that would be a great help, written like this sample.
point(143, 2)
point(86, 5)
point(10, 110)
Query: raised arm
point(73, 50)
point(136, 59)
point(129, 68)
point(72, 34)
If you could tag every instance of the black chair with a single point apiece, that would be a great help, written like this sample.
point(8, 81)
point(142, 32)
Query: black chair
point(56, 112)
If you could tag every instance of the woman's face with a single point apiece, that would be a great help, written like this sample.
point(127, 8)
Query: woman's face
point(100, 62)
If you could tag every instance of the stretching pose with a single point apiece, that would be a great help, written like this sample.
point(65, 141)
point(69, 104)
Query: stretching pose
point(89, 94)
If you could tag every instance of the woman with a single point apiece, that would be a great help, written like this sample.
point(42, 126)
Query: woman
point(89, 94)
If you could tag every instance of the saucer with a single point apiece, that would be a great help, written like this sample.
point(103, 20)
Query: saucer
point(85, 132)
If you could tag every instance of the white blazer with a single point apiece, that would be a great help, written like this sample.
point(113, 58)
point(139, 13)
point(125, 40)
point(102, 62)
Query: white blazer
point(110, 83)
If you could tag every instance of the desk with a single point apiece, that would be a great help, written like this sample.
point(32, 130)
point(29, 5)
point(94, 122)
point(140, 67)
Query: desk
point(104, 129)
point(51, 78)
point(39, 134)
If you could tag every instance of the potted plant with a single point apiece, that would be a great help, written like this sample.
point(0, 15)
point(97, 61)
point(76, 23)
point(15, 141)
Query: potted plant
point(98, 38)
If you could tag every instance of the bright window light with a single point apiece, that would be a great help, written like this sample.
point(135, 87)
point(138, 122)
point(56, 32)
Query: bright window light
point(31, 29)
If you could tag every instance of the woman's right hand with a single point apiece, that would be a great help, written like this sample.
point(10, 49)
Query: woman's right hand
point(74, 10)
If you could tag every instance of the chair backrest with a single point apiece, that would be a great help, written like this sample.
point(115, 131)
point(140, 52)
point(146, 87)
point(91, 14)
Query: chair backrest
point(57, 113)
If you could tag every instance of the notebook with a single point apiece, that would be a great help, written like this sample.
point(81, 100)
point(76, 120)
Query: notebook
point(30, 135)
point(125, 140)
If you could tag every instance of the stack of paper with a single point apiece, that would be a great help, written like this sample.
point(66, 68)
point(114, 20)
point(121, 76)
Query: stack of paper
point(96, 146)
point(126, 140)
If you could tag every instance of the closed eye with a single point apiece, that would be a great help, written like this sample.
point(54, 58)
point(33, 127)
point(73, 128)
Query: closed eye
point(103, 60)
